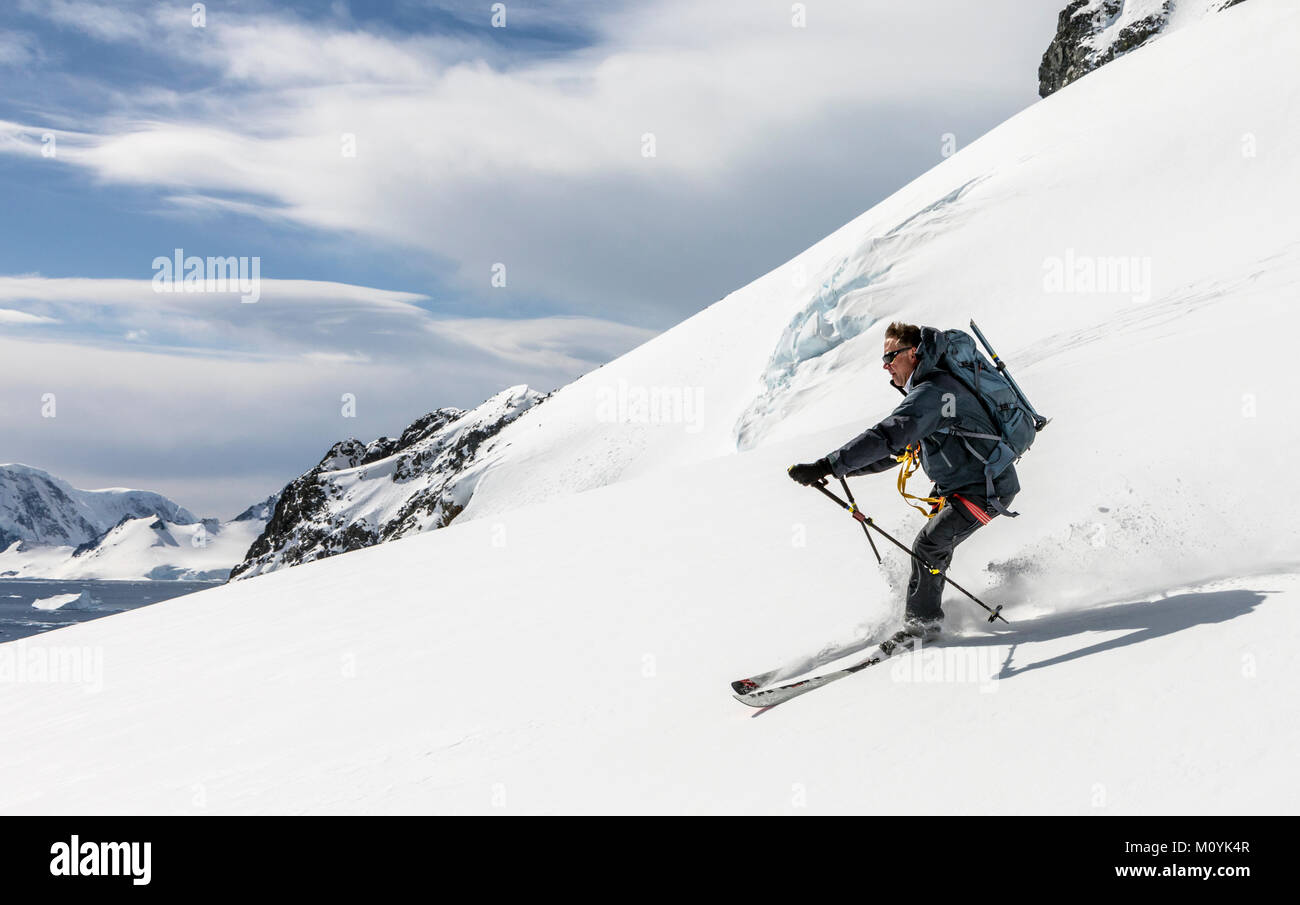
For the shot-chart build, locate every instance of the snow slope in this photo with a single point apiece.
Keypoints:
(570, 652)
(486, 668)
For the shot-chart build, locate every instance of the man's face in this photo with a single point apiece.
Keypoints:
(904, 363)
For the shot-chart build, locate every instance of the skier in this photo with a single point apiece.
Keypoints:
(935, 402)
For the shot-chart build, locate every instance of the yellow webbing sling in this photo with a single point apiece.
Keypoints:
(911, 459)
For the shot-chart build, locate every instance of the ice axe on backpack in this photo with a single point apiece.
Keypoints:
(867, 522)
(1039, 421)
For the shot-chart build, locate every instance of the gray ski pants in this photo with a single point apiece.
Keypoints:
(935, 544)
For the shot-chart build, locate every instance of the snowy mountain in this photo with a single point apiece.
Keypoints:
(37, 508)
(49, 529)
(1091, 33)
(364, 494)
(636, 544)
(142, 548)
(260, 511)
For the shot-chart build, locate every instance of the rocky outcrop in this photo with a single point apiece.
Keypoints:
(361, 494)
(1091, 33)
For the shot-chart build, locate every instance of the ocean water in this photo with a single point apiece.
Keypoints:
(20, 619)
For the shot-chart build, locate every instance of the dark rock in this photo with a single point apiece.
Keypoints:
(1080, 47)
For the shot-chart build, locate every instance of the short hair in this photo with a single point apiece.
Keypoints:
(907, 334)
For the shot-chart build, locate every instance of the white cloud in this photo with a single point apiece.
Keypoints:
(551, 343)
(768, 137)
(16, 49)
(335, 358)
(217, 428)
(289, 316)
(19, 140)
(107, 22)
(35, 288)
(12, 317)
(314, 321)
(477, 158)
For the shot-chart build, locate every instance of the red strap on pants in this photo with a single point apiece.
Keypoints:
(980, 515)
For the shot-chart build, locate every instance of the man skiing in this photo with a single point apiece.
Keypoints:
(956, 438)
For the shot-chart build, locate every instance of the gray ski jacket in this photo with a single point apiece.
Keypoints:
(937, 401)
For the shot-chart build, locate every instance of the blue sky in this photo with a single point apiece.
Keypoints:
(476, 146)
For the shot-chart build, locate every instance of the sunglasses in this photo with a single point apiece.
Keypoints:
(888, 357)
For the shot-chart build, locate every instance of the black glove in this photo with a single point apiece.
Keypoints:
(810, 473)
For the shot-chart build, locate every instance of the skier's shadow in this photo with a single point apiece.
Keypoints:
(1143, 622)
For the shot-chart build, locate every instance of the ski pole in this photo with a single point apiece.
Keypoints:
(854, 505)
(866, 520)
